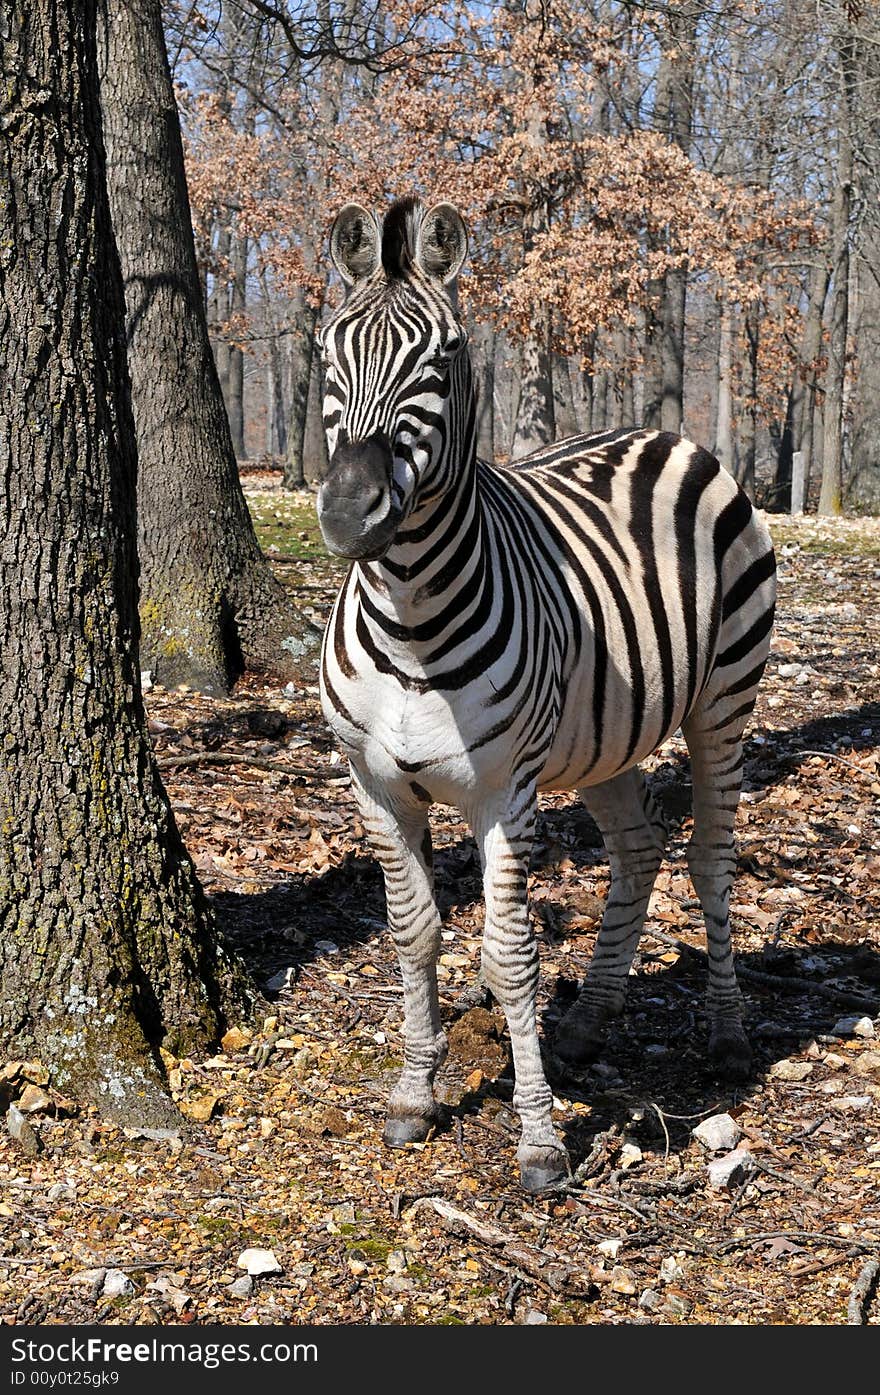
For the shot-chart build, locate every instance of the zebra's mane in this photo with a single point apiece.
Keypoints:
(399, 231)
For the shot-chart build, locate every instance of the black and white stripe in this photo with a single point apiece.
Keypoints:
(503, 631)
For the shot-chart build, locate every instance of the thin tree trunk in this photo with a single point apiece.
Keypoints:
(300, 351)
(235, 398)
(724, 407)
(210, 605)
(106, 945)
(219, 307)
(804, 388)
(831, 492)
(483, 354)
(679, 121)
(744, 471)
(315, 459)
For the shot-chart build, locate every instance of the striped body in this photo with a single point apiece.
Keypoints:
(570, 644)
(545, 625)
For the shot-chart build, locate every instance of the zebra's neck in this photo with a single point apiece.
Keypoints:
(436, 565)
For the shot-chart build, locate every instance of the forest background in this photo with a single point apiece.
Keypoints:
(673, 209)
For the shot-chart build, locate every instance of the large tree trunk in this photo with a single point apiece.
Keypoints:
(210, 605)
(106, 950)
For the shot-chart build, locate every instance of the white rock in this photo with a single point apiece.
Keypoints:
(851, 1104)
(61, 1191)
(167, 1289)
(854, 1027)
(326, 947)
(729, 1172)
(279, 981)
(791, 1070)
(719, 1133)
(789, 670)
(609, 1248)
(670, 1270)
(95, 1277)
(146, 680)
(630, 1154)
(867, 1063)
(117, 1284)
(258, 1262)
(534, 1318)
(241, 1288)
(396, 1262)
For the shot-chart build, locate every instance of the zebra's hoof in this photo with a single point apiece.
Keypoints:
(414, 1129)
(730, 1054)
(542, 1168)
(577, 1043)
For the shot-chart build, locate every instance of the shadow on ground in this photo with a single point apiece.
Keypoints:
(655, 1058)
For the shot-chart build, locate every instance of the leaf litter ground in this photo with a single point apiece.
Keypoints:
(282, 1148)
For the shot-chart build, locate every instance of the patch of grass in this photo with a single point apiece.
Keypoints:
(287, 525)
(826, 537)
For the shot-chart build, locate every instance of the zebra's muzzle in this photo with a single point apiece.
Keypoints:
(356, 510)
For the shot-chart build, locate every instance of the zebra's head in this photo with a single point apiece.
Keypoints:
(393, 368)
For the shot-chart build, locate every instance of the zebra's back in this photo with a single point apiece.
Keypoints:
(658, 568)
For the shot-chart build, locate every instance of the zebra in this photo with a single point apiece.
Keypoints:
(502, 630)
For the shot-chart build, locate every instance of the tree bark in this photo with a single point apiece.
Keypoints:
(210, 605)
(106, 944)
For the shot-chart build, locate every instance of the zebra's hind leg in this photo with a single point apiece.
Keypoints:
(635, 838)
(401, 840)
(714, 737)
(510, 968)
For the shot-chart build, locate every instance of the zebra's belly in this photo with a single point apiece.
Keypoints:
(591, 746)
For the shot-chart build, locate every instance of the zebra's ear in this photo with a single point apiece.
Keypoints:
(442, 242)
(355, 243)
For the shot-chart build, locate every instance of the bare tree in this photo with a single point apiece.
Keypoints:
(210, 605)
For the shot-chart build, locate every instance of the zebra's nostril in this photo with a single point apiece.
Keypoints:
(374, 502)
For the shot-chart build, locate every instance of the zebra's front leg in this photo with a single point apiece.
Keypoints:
(510, 968)
(400, 838)
(635, 839)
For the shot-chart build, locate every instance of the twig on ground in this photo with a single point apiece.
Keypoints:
(258, 762)
(829, 755)
(862, 1294)
(659, 1112)
(786, 984)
